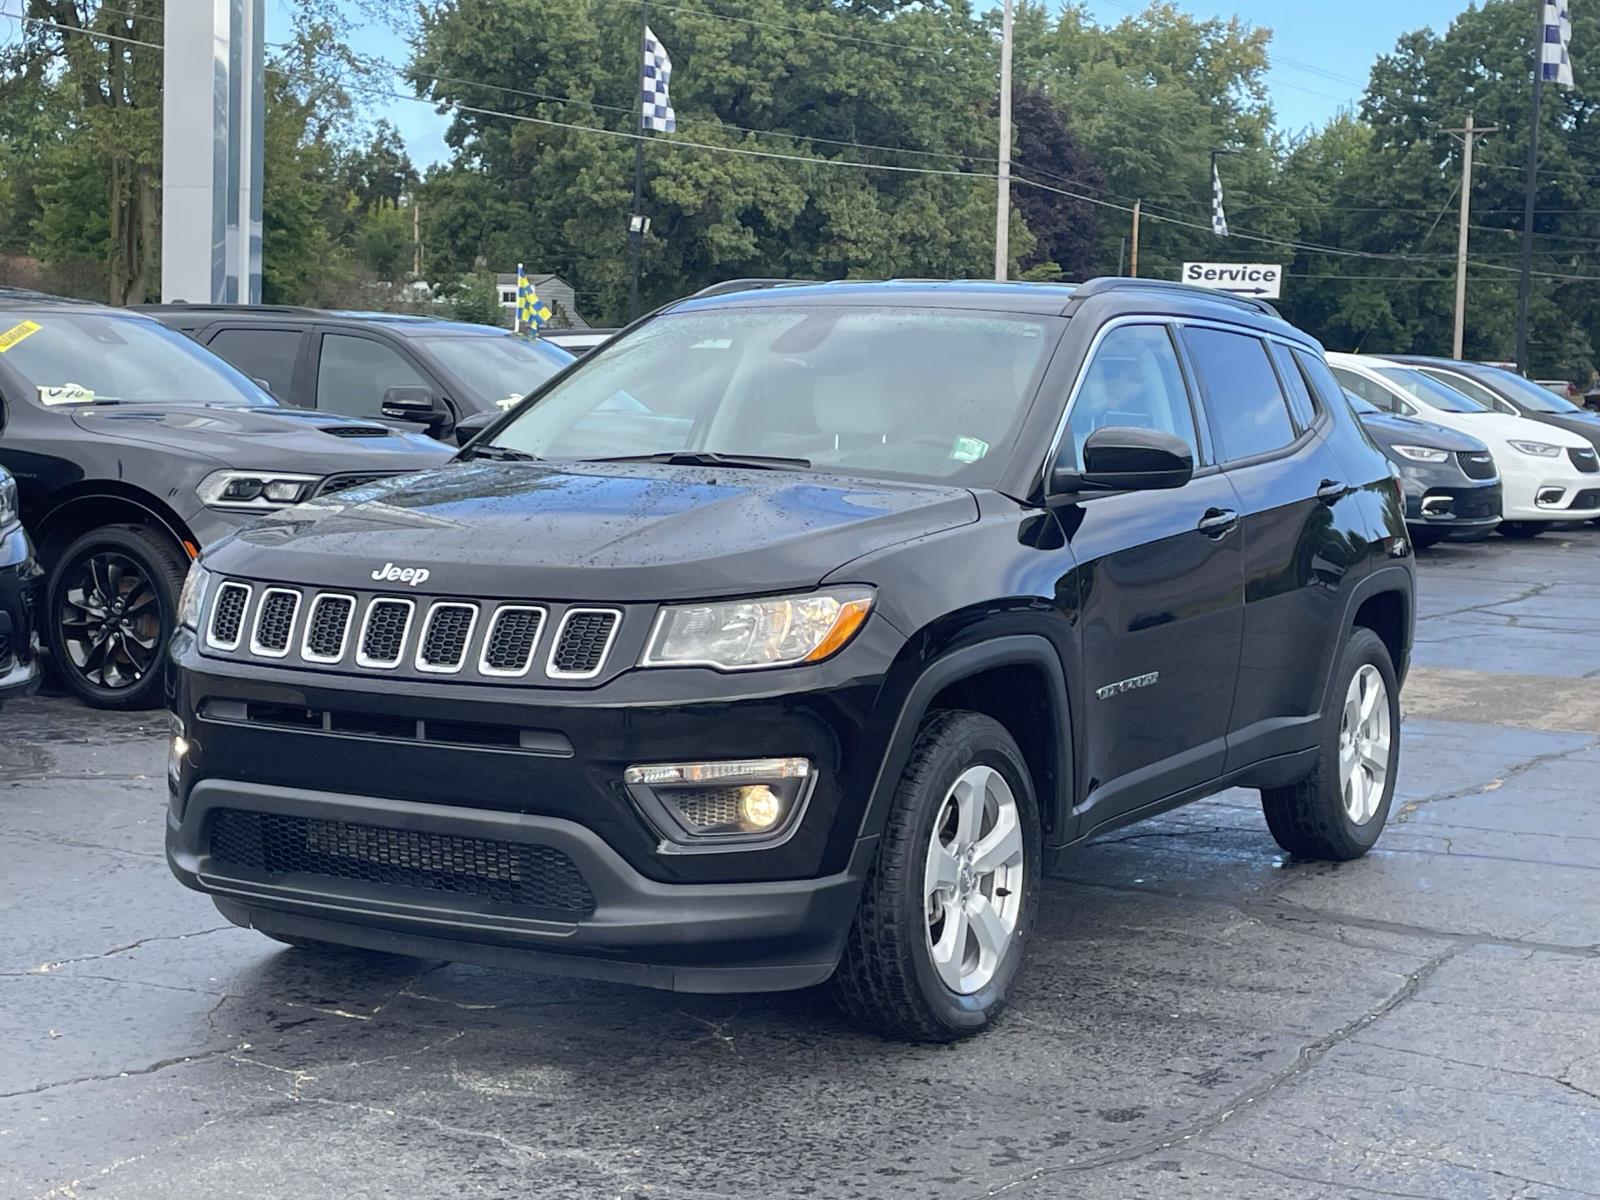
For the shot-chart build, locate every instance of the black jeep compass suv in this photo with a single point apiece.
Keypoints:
(795, 634)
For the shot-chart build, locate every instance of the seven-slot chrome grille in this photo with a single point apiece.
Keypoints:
(488, 640)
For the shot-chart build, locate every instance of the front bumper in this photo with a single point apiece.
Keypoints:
(1531, 485)
(1450, 504)
(696, 937)
(20, 580)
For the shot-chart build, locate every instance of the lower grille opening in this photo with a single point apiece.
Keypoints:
(397, 729)
(534, 877)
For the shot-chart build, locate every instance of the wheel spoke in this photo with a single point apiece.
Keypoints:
(950, 951)
(942, 872)
(1369, 693)
(141, 600)
(1375, 757)
(970, 794)
(1001, 846)
(989, 930)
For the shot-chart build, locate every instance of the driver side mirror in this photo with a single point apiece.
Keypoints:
(1125, 459)
(470, 427)
(413, 403)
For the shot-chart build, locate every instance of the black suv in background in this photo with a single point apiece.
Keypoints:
(795, 635)
(133, 449)
(445, 378)
(19, 580)
(1451, 483)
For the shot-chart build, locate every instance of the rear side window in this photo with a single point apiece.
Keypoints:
(266, 355)
(1249, 414)
(1134, 381)
(1301, 402)
(1326, 388)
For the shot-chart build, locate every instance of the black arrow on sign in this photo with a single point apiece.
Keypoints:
(1244, 291)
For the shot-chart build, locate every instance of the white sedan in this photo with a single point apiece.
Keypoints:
(1548, 474)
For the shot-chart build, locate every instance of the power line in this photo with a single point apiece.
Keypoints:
(838, 37)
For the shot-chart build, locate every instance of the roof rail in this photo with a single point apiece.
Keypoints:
(750, 285)
(1119, 283)
(207, 306)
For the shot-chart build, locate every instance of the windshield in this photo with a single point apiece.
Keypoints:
(64, 357)
(1526, 394)
(927, 394)
(498, 368)
(1430, 391)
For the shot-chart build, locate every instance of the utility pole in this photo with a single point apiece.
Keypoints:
(1002, 208)
(1530, 197)
(416, 238)
(1133, 260)
(637, 223)
(1469, 133)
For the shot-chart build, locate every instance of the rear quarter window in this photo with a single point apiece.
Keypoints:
(1246, 405)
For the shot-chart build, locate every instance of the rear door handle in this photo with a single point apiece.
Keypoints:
(1332, 490)
(1218, 522)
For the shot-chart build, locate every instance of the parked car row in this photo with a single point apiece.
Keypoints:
(1529, 461)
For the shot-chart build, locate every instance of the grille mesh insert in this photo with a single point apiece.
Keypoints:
(227, 616)
(584, 640)
(533, 877)
(511, 639)
(1475, 464)
(386, 631)
(330, 620)
(444, 643)
(1584, 459)
(275, 620)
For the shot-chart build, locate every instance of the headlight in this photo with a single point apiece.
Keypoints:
(193, 597)
(258, 490)
(8, 500)
(1422, 454)
(741, 635)
(1537, 449)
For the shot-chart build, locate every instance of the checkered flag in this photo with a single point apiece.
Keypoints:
(657, 112)
(1555, 60)
(1219, 219)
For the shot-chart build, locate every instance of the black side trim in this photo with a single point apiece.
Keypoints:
(1030, 650)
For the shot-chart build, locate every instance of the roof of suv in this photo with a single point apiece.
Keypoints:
(1055, 299)
(196, 315)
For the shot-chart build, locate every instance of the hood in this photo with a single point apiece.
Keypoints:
(1585, 425)
(594, 531)
(282, 438)
(1391, 429)
(1522, 429)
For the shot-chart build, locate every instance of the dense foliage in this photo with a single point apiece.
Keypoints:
(832, 138)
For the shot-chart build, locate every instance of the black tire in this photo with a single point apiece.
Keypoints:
(1521, 530)
(1308, 819)
(162, 563)
(886, 980)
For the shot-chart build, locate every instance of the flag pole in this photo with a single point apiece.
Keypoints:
(1530, 195)
(636, 221)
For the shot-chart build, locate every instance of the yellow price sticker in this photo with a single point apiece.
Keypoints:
(16, 333)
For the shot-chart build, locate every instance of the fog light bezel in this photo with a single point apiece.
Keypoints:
(1559, 494)
(649, 786)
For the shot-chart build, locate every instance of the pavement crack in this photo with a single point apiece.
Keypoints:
(1559, 1079)
(46, 968)
(1281, 1173)
(1308, 1056)
(1499, 781)
(149, 1069)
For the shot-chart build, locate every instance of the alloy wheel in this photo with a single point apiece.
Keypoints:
(973, 879)
(110, 619)
(1364, 734)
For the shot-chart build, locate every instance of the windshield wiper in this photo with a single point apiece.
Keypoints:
(503, 454)
(710, 458)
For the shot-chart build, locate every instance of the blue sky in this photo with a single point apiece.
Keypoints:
(1321, 49)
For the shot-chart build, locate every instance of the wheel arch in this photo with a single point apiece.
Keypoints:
(1017, 679)
(1384, 602)
(107, 502)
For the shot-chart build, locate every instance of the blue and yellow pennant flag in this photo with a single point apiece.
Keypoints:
(532, 312)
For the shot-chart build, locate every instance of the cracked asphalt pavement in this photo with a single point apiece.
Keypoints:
(1200, 1017)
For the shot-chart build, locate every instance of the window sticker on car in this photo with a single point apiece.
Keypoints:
(16, 333)
(969, 449)
(508, 403)
(67, 393)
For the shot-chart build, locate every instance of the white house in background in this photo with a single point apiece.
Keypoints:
(552, 288)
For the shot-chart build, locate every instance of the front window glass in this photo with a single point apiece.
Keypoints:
(498, 368)
(1430, 391)
(910, 393)
(355, 372)
(1134, 381)
(66, 357)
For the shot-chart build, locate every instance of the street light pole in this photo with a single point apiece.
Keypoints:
(1002, 209)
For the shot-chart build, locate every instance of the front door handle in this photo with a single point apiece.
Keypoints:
(1218, 522)
(1331, 490)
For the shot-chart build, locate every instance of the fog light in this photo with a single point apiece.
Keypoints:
(759, 807)
(177, 750)
(1550, 496)
(708, 802)
(1437, 506)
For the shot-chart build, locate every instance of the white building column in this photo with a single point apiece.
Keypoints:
(214, 106)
